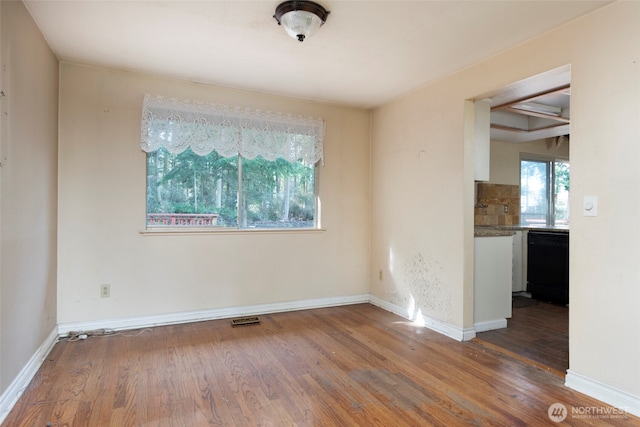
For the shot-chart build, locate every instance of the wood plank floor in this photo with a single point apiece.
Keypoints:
(539, 333)
(354, 365)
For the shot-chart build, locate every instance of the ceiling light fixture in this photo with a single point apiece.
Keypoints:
(300, 18)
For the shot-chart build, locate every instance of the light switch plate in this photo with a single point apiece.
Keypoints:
(590, 206)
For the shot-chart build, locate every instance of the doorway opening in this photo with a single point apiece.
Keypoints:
(529, 122)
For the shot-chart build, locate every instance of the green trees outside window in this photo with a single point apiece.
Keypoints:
(187, 189)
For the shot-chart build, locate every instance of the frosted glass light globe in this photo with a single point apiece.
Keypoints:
(301, 24)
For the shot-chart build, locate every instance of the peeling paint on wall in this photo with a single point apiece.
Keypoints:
(419, 287)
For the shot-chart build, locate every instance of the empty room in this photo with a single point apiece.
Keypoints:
(280, 213)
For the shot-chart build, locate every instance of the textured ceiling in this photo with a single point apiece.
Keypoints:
(367, 53)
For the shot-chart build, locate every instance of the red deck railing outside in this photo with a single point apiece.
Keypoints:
(190, 220)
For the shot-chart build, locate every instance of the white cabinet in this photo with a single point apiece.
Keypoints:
(482, 138)
(518, 277)
(492, 282)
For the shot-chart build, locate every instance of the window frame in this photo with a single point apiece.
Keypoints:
(203, 127)
(550, 184)
(177, 229)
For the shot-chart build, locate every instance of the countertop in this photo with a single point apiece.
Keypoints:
(510, 230)
(488, 231)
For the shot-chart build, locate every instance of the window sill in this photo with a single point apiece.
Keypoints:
(209, 231)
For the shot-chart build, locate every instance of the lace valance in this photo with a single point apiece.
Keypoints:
(177, 125)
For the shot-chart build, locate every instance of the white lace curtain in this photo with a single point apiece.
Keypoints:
(177, 125)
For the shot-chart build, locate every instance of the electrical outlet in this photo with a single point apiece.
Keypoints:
(105, 291)
(506, 208)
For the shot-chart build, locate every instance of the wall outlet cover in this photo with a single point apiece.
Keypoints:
(590, 206)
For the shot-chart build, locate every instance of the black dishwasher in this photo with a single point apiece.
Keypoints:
(548, 266)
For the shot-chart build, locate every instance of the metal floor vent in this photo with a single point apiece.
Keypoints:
(240, 321)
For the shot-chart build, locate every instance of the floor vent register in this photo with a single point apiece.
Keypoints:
(241, 321)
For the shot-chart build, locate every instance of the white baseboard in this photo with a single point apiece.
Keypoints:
(607, 394)
(212, 314)
(395, 309)
(447, 329)
(490, 325)
(24, 377)
(468, 334)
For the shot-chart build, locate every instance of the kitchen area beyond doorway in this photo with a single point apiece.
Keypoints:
(533, 321)
(521, 220)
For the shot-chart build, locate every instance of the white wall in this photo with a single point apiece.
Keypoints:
(28, 195)
(604, 323)
(102, 211)
(423, 206)
(417, 181)
(505, 158)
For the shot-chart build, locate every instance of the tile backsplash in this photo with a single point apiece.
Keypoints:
(497, 204)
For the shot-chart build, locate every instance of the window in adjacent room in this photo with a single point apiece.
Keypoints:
(218, 167)
(544, 192)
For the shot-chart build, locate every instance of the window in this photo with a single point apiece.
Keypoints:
(212, 166)
(544, 192)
